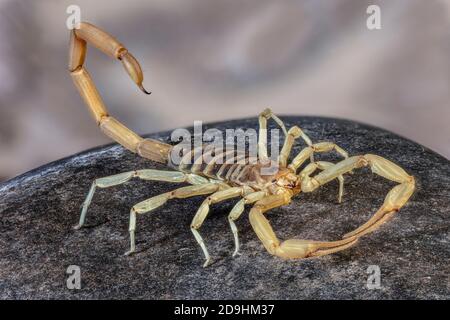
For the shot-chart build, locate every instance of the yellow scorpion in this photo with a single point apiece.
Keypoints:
(224, 180)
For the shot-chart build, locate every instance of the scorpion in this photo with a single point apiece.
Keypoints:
(225, 181)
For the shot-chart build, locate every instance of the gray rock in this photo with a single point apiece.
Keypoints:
(39, 209)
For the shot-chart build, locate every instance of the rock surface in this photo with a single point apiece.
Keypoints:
(39, 209)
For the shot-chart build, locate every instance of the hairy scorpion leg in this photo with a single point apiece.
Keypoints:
(157, 201)
(146, 174)
(292, 248)
(203, 211)
(236, 212)
(394, 200)
(320, 147)
(322, 165)
(262, 136)
(294, 133)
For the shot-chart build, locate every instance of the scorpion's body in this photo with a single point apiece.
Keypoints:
(238, 170)
(230, 174)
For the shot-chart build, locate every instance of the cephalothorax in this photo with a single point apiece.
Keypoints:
(221, 181)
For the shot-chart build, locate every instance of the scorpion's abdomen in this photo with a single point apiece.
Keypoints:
(231, 166)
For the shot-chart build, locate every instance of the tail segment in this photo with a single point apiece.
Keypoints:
(88, 33)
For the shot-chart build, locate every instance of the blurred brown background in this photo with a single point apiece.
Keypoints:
(215, 60)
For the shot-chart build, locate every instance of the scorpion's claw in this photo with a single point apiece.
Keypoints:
(295, 248)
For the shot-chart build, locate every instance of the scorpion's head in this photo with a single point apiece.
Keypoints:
(287, 179)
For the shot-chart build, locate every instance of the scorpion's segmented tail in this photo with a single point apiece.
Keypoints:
(88, 33)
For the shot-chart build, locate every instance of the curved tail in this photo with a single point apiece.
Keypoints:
(88, 33)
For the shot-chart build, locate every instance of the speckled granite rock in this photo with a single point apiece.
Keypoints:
(39, 208)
